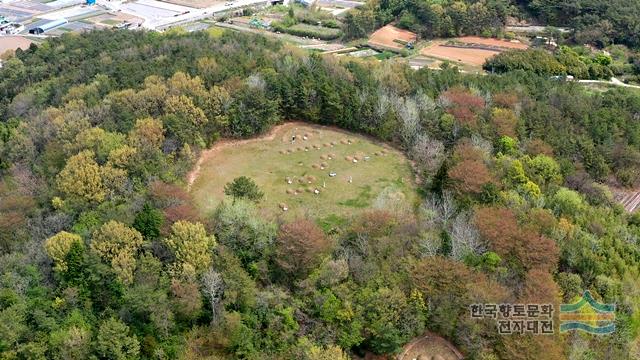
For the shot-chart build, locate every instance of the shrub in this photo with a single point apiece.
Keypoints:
(320, 32)
(538, 61)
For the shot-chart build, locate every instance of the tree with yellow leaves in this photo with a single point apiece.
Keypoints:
(118, 244)
(58, 247)
(82, 178)
(147, 135)
(191, 246)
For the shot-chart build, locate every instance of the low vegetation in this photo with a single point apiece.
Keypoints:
(306, 30)
(331, 173)
(308, 22)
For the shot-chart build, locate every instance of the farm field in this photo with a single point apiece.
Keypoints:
(13, 42)
(391, 37)
(112, 19)
(290, 173)
(469, 50)
(319, 31)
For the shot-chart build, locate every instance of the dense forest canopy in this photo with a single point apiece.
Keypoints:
(104, 255)
(595, 21)
(431, 18)
(598, 22)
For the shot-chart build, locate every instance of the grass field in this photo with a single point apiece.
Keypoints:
(384, 180)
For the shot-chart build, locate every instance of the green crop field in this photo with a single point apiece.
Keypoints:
(297, 174)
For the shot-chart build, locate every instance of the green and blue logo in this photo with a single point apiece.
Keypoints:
(588, 315)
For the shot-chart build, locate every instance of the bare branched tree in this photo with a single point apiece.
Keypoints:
(448, 206)
(429, 244)
(425, 104)
(428, 154)
(213, 288)
(438, 211)
(465, 238)
(409, 115)
(484, 145)
(257, 82)
(383, 105)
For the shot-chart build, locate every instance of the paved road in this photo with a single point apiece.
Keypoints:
(533, 29)
(613, 81)
(341, 3)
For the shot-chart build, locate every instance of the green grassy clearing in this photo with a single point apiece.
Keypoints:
(111, 22)
(384, 180)
(384, 55)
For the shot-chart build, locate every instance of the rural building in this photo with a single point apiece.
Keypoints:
(50, 25)
(11, 28)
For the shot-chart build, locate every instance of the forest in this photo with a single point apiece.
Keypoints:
(597, 22)
(103, 254)
(594, 21)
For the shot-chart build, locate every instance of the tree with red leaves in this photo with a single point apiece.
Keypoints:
(505, 100)
(463, 105)
(174, 202)
(300, 245)
(539, 288)
(469, 176)
(469, 172)
(499, 227)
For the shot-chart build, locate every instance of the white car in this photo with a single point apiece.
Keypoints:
(332, 174)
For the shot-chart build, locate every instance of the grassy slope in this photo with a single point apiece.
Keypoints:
(262, 160)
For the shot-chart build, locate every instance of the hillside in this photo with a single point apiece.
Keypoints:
(106, 251)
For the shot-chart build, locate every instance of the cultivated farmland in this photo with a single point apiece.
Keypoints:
(469, 50)
(390, 37)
